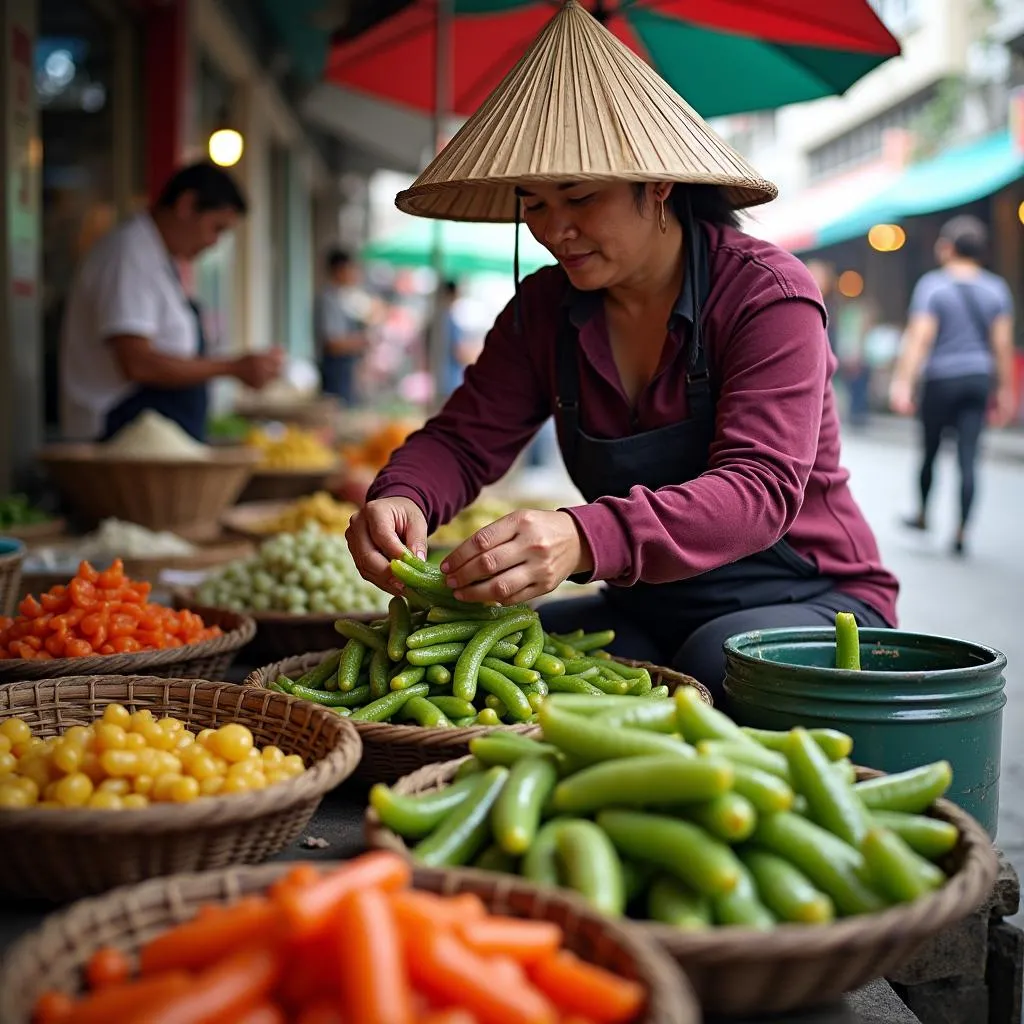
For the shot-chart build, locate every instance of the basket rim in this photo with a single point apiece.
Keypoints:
(667, 988)
(234, 639)
(93, 454)
(218, 811)
(184, 597)
(967, 887)
(259, 677)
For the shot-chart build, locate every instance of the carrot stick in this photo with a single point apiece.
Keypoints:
(52, 1006)
(515, 937)
(263, 1013)
(323, 1011)
(219, 993)
(372, 967)
(204, 940)
(309, 909)
(119, 1002)
(578, 987)
(449, 971)
(304, 979)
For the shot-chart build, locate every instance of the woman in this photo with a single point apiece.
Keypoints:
(687, 367)
(959, 343)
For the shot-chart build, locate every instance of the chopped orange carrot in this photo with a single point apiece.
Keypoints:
(579, 987)
(511, 936)
(374, 978)
(201, 941)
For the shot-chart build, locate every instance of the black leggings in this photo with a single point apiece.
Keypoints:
(700, 654)
(958, 404)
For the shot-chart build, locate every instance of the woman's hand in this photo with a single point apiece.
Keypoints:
(380, 531)
(901, 397)
(519, 557)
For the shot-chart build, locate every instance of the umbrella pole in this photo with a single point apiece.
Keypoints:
(437, 349)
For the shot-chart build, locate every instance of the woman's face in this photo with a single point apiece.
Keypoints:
(596, 231)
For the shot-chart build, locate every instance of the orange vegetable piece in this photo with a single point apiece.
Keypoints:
(220, 993)
(52, 1007)
(123, 1002)
(30, 608)
(582, 988)
(199, 942)
(264, 1013)
(444, 967)
(310, 909)
(514, 937)
(372, 962)
(451, 1016)
(107, 966)
(78, 649)
(323, 1011)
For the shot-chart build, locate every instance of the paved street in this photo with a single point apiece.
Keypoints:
(978, 598)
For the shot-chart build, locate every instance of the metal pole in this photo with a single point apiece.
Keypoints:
(437, 350)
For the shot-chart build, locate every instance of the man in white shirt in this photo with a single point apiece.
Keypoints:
(132, 339)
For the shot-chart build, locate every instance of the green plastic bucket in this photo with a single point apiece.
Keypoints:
(917, 698)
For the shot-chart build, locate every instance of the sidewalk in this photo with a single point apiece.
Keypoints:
(1005, 445)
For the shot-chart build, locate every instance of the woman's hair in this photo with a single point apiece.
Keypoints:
(708, 203)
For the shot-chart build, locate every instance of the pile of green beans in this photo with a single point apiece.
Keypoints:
(669, 811)
(439, 662)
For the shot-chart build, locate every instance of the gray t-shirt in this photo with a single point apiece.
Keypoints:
(340, 311)
(961, 347)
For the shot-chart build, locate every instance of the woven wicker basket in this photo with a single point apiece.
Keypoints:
(53, 956)
(12, 554)
(737, 971)
(63, 854)
(209, 659)
(288, 484)
(392, 751)
(186, 497)
(280, 635)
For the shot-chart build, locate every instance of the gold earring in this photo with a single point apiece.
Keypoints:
(662, 219)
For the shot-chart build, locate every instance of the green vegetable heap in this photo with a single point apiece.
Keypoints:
(17, 510)
(439, 662)
(671, 812)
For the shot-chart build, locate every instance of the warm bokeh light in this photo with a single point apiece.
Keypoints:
(887, 237)
(850, 284)
(1020, 212)
(226, 147)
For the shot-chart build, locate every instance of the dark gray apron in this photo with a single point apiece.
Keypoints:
(674, 454)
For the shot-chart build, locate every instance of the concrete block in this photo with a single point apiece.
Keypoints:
(950, 1001)
(959, 951)
(1006, 892)
(1005, 974)
(877, 1003)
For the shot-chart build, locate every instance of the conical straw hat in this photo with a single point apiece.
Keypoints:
(578, 106)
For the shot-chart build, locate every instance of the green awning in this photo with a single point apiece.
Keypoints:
(958, 176)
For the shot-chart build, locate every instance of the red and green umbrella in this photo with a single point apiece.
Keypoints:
(723, 56)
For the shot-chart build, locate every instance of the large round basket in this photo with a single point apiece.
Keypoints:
(209, 659)
(12, 554)
(391, 751)
(63, 854)
(186, 496)
(288, 484)
(53, 956)
(738, 971)
(280, 635)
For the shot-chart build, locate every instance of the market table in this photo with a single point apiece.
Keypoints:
(336, 831)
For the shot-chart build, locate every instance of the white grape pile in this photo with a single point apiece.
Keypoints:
(300, 573)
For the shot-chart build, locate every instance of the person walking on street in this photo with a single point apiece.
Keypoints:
(959, 346)
(132, 338)
(344, 313)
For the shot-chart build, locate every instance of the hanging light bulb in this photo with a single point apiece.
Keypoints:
(226, 146)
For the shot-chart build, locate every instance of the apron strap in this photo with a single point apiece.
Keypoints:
(567, 381)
